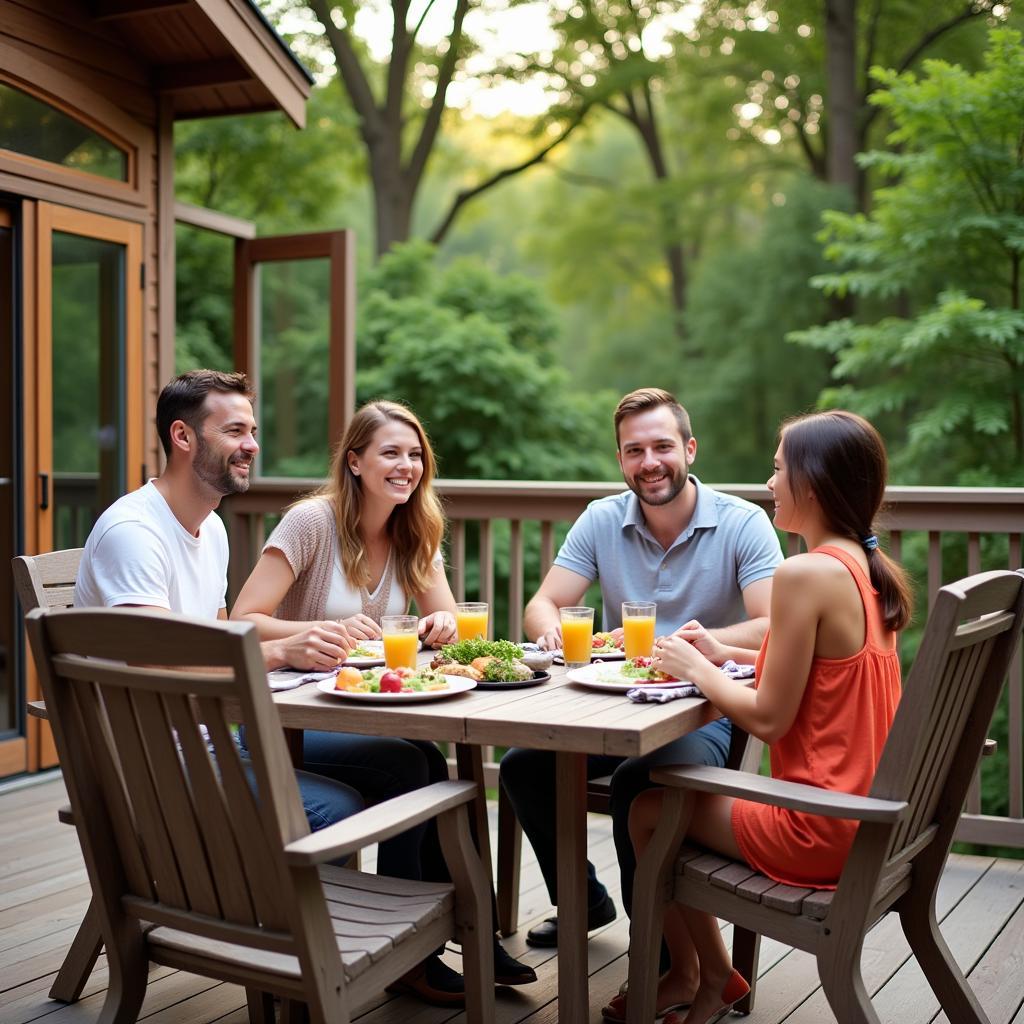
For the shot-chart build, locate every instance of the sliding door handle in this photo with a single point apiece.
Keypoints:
(44, 491)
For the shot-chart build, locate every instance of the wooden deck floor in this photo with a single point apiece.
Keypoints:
(44, 892)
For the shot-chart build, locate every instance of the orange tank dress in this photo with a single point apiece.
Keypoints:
(835, 742)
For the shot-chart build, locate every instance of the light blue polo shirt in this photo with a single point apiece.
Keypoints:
(728, 544)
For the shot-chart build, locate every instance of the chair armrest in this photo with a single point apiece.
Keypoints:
(378, 823)
(797, 797)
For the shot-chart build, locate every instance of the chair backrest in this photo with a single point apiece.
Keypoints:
(46, 581)
(170, 833)
(940, 726)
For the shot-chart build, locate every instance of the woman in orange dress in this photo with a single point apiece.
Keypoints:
(828, 682)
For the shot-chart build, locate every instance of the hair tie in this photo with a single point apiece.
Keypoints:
(869, 543)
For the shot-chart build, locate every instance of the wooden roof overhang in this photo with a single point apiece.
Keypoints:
(211, 57)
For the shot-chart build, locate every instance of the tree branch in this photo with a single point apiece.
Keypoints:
(432, 122)
(351, 71)
(466, 195)
(872, 40)
(971, 10)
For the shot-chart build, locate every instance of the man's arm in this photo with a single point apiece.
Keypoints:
(757, 602)
(561, 588)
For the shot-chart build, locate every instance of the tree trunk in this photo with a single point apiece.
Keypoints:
(843, 102)
(392, 202)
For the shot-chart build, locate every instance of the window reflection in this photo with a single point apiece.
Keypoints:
(34, 128)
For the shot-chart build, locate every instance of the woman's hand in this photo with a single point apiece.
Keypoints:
(679, 658)
(712, 649)
(320, 647)
(361, 627)
(437, 628)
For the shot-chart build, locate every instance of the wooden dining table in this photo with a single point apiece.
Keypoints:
(556, 715)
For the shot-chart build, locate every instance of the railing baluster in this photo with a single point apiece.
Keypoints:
(895, 545)
(487, 566)
(515, 581)
(934, 565)
(973, 553)
(1015, 738)
(547, 547)
(457, 532)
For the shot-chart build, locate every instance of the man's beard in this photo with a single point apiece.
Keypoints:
(217, 473)
(676, 483)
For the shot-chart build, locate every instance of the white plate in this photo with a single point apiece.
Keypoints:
(456, 684)
(615, 655)
(370, 661)
(610, 677)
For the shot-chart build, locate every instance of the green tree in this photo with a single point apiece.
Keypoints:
(469, 351)
(944, 243)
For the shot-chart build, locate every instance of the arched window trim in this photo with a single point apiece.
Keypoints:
(55, 88)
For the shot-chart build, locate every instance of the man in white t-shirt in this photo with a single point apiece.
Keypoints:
(163, 546)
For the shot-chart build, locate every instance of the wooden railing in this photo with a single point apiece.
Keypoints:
(922, 521)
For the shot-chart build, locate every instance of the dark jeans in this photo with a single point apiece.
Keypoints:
(529, 780)
(378, 768)
(324, 800)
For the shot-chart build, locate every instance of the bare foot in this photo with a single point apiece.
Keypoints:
(713, 1000)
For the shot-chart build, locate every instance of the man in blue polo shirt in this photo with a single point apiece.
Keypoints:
(701, 555)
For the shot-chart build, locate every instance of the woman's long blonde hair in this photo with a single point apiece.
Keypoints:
(415, 529)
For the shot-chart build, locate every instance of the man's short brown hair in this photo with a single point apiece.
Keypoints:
(644, 399)
(183, 398)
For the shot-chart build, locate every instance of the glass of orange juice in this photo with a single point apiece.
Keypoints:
(401, 640)
(638, 628)
(471, 620)
(577, 635)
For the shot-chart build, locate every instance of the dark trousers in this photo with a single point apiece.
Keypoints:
(372, 769)
(529, 780)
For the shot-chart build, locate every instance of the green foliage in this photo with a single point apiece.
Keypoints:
(944, 243)
(744, 300)
(468, 351)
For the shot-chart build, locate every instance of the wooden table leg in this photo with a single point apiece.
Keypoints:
(469, 761)
(571, 841)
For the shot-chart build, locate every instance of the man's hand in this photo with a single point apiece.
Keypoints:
(437, 629)
(318, 648)
(551, 640)
(361, 627)
(712, 649)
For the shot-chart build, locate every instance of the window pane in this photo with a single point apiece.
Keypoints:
(34, 128)
(294, 316)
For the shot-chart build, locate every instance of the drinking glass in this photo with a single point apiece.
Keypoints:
(401, 640)
(471, 620)
(638, 628)
(577, 635)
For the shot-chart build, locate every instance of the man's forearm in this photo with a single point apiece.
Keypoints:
(540, 617)
(273, 654)
(747, 634)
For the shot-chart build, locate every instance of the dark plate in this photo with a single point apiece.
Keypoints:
(516, 684)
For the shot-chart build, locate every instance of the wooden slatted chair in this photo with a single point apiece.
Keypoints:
(48, 581)
(744, 754)
(195, 867)
(906, 828)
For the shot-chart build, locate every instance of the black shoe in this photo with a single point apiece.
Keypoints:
(434, 982)
(508, 970)
(545, 934)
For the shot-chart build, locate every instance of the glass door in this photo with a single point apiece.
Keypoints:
(13, 747)
(85, 379)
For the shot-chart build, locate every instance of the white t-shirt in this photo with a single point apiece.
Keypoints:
(138, 553)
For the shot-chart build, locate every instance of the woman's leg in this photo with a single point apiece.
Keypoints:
(379, 767)
(700, 964)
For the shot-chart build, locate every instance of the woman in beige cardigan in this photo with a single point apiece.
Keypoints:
(359, 548)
